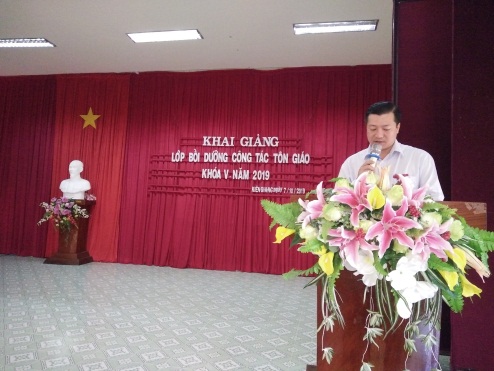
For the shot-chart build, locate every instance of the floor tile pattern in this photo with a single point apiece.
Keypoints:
(102, 316)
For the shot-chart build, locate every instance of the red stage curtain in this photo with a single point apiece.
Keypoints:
(27, 111)
(100, 148)
(170, 216)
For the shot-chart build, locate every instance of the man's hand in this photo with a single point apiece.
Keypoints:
(368, 165)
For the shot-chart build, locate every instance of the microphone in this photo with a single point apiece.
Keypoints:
(374, 152)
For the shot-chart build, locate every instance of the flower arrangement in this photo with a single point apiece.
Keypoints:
(409, 251)
(90, 197)
(62, 212)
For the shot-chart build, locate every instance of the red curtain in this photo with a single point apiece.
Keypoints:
(99, 147)
(172, 216)
(152, 209)
(27, 110)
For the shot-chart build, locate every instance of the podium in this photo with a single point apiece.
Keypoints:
(390, 356)
(72, 248)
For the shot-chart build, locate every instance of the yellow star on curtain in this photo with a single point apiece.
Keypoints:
(90, 119)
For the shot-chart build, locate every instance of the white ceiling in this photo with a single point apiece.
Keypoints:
(90, 35)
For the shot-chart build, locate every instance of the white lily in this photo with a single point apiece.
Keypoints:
(364, 265)
(474, 262)
(404, 281)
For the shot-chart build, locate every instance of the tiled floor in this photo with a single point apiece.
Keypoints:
(126, 317)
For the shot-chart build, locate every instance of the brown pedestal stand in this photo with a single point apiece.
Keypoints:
(72, 244)
(348, 343)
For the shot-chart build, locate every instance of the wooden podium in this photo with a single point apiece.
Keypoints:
(72, 244)
(348, 343)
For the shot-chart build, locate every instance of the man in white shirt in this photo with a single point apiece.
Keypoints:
(383, 124)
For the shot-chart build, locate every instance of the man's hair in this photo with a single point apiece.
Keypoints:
(381, 108)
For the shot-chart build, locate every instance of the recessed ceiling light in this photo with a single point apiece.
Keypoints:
(147, 37)
(325, 27)
(26, 43)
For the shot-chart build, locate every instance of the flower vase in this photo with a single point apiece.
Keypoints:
(349, 346)
(72, 242)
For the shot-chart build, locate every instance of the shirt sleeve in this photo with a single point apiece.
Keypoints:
(351, 165)
(346, 170)
(429, 178)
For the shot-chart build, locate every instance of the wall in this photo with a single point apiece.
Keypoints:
(442, 81)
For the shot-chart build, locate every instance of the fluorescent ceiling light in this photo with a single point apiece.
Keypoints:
(26, 43)
(325, 27)
(147, 37)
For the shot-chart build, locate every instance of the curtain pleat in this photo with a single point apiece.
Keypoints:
(151, 209)
(27, 113)
(100, 148)
(171, 216)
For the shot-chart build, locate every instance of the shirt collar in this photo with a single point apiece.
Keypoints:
(397, 147)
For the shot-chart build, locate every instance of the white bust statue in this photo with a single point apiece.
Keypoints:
(75, 187)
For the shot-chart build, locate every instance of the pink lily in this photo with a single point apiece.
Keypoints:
(313, 209)
(349, 242)
(415, 198)
(393, 224)
(356, 198)
(431, 242)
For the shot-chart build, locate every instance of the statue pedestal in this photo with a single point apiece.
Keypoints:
(72, 244)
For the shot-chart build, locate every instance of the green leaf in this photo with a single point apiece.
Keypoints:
(312, 245)
(479, 240)
(366, 367)
(282, 214)
(372, 333)
(410, 346)
(378, 264)
(318, 278)
(445, 211)
(296, 239)
(437, 264)
(315, 269)
(327, 354)
(454, 299)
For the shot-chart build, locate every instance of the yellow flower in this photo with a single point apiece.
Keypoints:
(376, 198)
(326, 262)
(282, 233)
(458, 257)
(321, 252)
(469, 289)
(451, 278)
